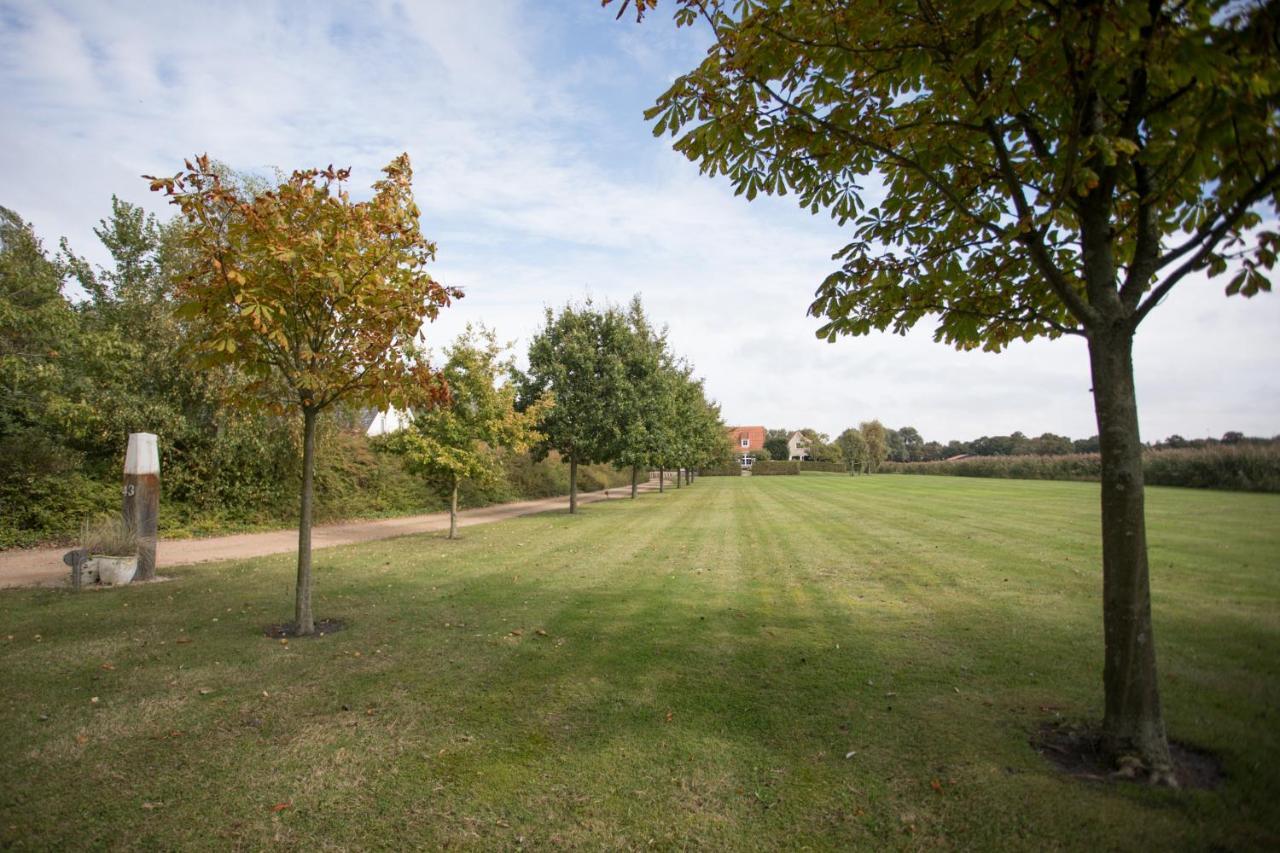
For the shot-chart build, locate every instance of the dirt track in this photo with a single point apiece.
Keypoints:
(44, 566)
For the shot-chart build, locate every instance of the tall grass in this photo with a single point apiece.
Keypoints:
(1240, 468)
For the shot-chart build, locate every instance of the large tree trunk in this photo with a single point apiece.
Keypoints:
(304, 622)
(662, 479)
(1133, 722)
(635, 480)
(688, 476)
(573, 485)
(453, 511)
(679, 477)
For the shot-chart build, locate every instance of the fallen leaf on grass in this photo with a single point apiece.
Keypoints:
(108, 666)
(669, 716)
(936, 785)
(152, 806)
(518, 632)
(540, 632)
(279, 807)
(205, 691)
(182, 640)
(82, 739)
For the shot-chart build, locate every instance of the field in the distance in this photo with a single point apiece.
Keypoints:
(747, 663)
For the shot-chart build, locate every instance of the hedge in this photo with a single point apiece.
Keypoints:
(769, 468)
(830, 467)
(734, 470)
(353, 480)
(1243, 468)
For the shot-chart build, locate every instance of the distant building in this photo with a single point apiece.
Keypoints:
(387, 422)
(745, 439)
(798, 446)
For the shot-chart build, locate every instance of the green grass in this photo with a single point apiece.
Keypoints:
(711, 655)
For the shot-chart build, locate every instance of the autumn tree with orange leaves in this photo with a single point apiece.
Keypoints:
(307, 291)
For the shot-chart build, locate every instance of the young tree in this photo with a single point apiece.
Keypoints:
(308, 291)
(691, 423)
(641, 408)
(775, 442)
(912, 444)
(578, 360)
(875, 438)
(460, 440)
(1051, 168)
(854, 448)
(39, 403)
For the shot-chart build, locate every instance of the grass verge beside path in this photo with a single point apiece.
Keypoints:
(747, 663)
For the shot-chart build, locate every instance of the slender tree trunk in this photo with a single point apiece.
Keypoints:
(635, 480)
(573, 485)
(662, 479)
(453, 511)
(688, 477)
(1133, 723)
(304, 622)
(679, 476)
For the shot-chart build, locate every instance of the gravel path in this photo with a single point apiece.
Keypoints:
(44, 566)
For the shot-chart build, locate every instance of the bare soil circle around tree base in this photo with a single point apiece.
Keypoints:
(289, 630)
(1076, 750)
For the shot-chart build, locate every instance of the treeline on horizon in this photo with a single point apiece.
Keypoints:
(1233, 462)
(80, 374)
(907, 445)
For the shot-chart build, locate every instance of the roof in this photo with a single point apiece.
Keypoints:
(753, 434)
(793, 436)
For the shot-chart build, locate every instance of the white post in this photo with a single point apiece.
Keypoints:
(142, 498)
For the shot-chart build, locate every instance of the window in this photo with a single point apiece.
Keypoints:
(746, 442)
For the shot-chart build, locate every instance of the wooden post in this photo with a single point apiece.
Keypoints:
(453, 511)
(573, 485)
(141, 505)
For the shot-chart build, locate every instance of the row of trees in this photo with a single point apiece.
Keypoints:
(233, 328)
(322, 301)
(602, 387)
(620, 395)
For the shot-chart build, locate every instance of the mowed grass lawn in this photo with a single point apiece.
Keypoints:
(758, 663)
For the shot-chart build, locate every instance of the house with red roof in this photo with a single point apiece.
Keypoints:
(744, 440)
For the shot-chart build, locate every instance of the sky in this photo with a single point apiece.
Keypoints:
(541, 182)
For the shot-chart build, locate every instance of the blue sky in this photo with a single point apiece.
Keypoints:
(541, 182)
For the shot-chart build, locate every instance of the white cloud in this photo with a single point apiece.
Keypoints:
(539, 179)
